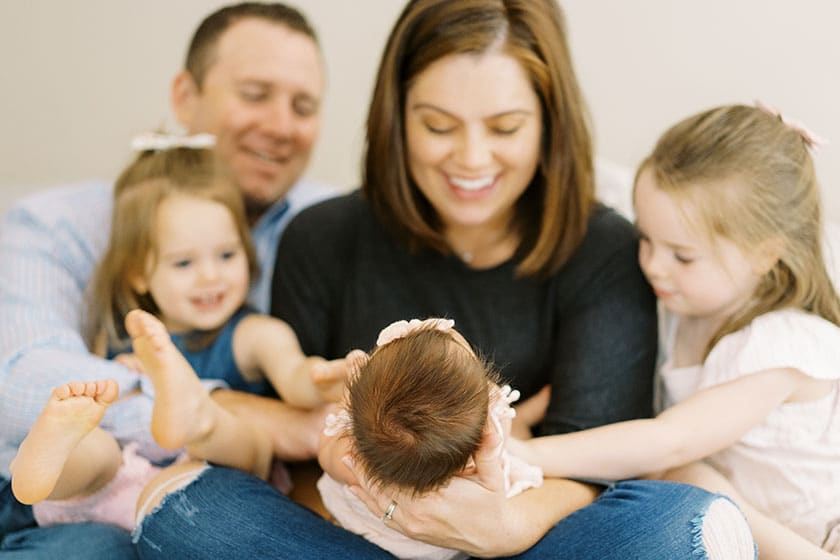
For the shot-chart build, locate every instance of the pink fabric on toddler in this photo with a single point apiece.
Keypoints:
(114, 504)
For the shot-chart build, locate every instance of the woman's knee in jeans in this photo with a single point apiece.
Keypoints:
(722, 533)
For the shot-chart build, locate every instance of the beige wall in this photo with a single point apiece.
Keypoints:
(80, 78)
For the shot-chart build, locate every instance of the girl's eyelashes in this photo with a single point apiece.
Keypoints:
(182, 263)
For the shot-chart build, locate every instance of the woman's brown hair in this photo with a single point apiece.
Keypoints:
(553, 213)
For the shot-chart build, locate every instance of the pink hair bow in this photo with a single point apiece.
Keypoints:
(813, 140)
(399, 329)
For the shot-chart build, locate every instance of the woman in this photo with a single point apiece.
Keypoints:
(477, 204)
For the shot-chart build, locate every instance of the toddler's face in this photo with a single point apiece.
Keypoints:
(691, 274)
(200, 276)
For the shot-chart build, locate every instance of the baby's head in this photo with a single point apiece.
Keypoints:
(161, 200)
(419, 406)
(741, 176)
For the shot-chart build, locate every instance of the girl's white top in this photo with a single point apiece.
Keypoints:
(789, 465)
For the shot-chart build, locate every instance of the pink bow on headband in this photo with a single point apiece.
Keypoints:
(399, 329)
(813, 140)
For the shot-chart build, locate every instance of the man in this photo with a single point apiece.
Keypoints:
(254, 78)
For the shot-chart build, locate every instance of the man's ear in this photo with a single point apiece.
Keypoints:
(767, 254)
(184, 97)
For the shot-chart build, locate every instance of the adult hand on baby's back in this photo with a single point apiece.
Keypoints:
(470, 513)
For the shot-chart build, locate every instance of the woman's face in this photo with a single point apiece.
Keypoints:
(473, 129)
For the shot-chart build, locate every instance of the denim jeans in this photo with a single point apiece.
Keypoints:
(22, 539)
(228, 514)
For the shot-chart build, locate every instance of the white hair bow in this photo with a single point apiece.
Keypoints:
(156, 141)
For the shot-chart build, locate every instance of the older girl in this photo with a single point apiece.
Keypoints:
(729, 217)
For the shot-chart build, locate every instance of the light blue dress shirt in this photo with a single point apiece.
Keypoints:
(50, 243)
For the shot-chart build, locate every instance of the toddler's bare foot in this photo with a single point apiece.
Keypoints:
(178, 417)
(71, 413)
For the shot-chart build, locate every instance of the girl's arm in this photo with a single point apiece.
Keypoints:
(472, 514)
(267, 346)
(705, 423)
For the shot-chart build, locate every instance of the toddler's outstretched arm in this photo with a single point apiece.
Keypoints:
(710, 420)
(267, 346)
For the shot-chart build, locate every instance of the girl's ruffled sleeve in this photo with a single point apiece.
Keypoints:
(777, 340)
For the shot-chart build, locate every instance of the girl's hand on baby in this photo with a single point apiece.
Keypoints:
(530, 412)
(130, 361)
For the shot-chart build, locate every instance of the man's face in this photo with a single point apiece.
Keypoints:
(261, 98)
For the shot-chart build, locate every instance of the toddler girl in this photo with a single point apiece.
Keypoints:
(179, 249)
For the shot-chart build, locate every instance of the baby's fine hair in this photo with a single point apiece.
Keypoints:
(143, 185)
(741, 173)
(419, 407)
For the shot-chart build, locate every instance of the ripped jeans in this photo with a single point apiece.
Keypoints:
(228, 514)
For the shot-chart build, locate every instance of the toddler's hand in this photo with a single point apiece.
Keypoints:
(330, 377)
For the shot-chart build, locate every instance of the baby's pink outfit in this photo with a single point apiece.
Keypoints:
(114, 504)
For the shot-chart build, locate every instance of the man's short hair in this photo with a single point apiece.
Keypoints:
(202, 47)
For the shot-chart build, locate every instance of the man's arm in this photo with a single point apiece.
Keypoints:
(49, 246)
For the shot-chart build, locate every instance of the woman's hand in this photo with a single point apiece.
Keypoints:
(470, 513)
